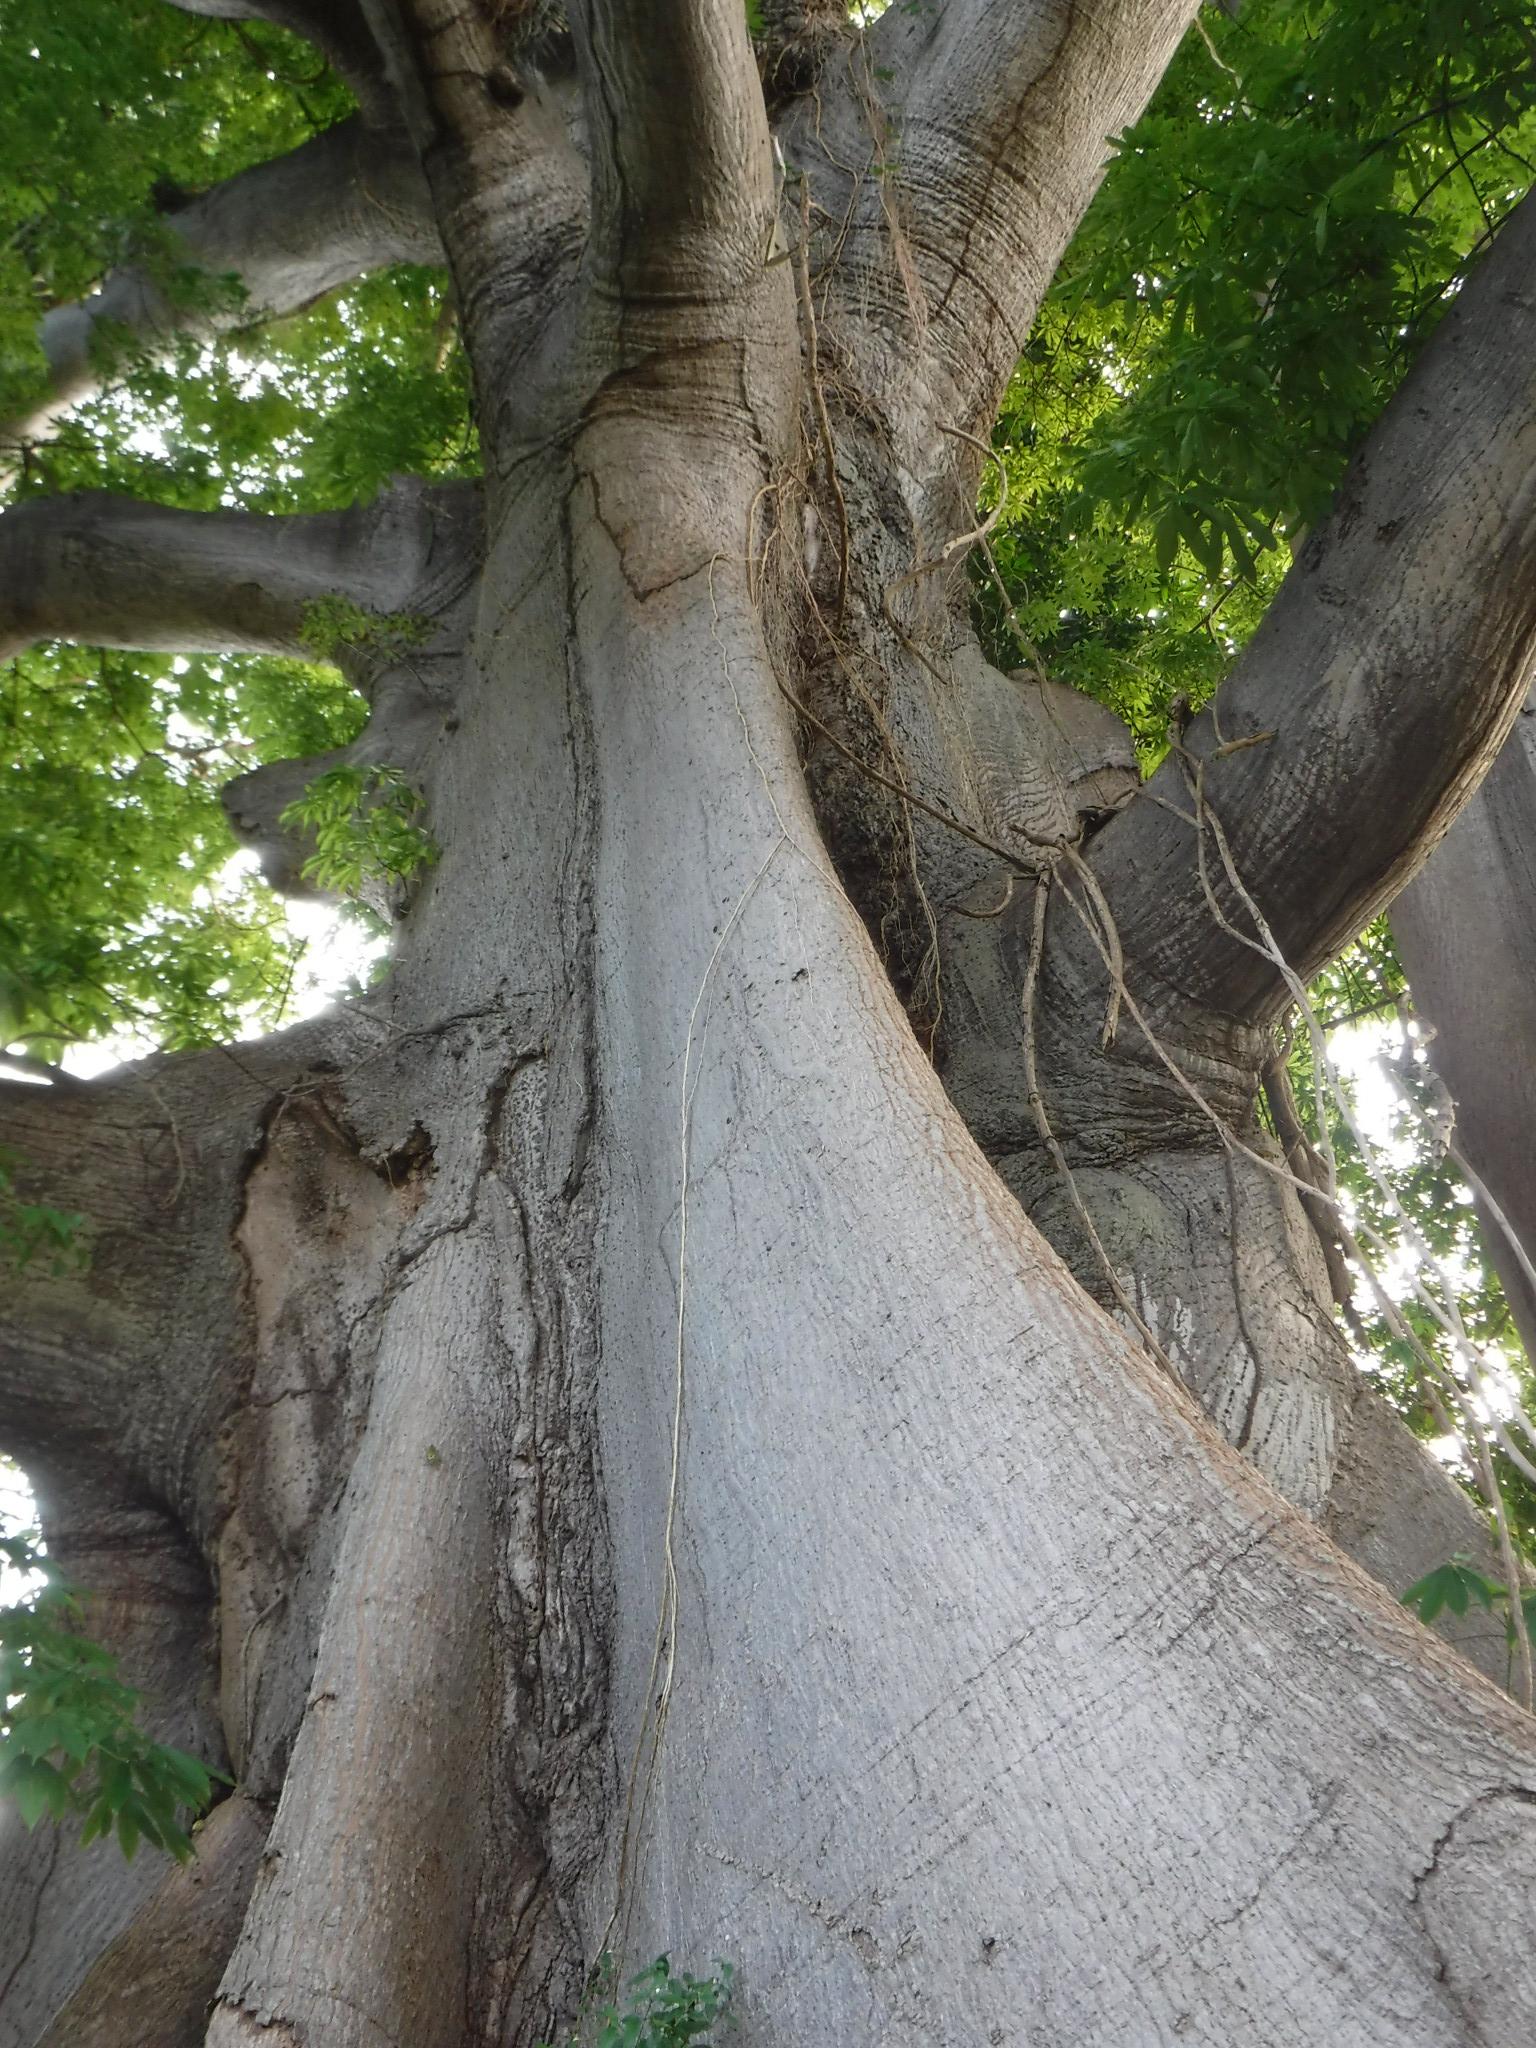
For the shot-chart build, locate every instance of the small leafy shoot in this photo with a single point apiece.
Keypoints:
(333, 621)
(36, 1230)
(1453, 1586)
(70, 1742)
(659, 2010)
(366, 827)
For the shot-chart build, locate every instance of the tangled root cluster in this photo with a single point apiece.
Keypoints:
(793, 41)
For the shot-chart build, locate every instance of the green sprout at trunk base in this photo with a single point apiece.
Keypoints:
(659, 2010)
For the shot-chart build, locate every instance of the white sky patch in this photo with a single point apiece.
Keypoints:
(1356, 1051)
(1361, 1053)
(17, 1511)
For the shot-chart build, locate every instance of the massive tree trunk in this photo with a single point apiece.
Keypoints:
(616, 1467)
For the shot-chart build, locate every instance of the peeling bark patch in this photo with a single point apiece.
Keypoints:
(320, 1223)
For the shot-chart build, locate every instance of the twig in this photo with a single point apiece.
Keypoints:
(1048, 1136)
(819, 398)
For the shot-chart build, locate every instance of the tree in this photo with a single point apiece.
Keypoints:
(591, 1431)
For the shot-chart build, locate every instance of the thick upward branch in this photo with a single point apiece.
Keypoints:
(1387, 673)
(496, 139)
(266, 242)
(1000, 114)
(682, 172)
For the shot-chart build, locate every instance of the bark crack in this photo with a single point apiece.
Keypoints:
(1522, 1794)
(37, 1911)
(1480, 1953)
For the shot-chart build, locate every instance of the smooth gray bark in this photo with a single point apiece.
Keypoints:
(1373, 667)
(116, 572)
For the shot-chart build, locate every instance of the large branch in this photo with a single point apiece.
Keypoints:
(1001, 113)
(121, 1369)
(114, 572)
(284, 232)
(682, 169)
(159, 1976)
(1385, 676)
(498, 142)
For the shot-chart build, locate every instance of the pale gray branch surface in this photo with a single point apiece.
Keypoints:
(267, 242)
(117, 572)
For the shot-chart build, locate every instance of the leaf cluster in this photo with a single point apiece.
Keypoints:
(334, 621)
(366, 826)
(116, 111)
(70, 1743)
(120, 907)
(659, 2009)
(120, 903)
(1272, 243)
(1457, 1585)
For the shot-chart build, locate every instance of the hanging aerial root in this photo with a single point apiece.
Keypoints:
(819, 398)
(1439, 1381)
(1048, 1136)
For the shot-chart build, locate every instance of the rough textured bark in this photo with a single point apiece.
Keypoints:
(644, 1480)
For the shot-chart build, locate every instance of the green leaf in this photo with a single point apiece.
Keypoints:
(1432, 1592)
(1452, 1586)
(37, 1789)
(1166, 540)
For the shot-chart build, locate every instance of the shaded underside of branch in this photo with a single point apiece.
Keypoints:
(115, 572)
(335, 27)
